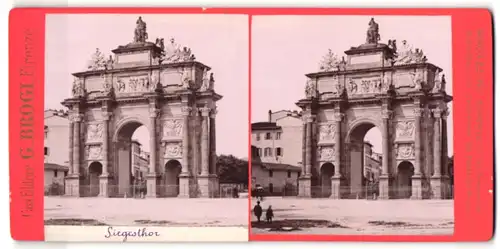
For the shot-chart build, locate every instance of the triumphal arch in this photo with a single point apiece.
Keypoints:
(161, 86)
(388, 86)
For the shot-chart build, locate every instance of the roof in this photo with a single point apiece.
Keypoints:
(265, 126)
(53, 166)
(277, 166)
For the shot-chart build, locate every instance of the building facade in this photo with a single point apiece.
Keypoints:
(275, 178)
(140, 160)
(279, 139)
(393, 88)
(154, 84)
(56, 152)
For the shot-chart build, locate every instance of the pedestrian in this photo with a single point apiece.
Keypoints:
(257, 211)
(269, 214)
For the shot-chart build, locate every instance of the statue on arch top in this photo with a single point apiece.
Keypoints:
(140, 34)
(372, 35)
(97, 62)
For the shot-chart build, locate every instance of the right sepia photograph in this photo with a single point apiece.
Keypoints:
(352, 125)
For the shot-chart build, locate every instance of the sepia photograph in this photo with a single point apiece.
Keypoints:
(352, 125)
(143, 126)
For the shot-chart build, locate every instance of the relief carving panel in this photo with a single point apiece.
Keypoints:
(172, 128)
(173, 150)
(326, 153)
(405, 129)
(364, 85)
(94, 152)
(405, 151)
(95, 132)
(326, 132)
(134, 84)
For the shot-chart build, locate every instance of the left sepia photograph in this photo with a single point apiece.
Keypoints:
(145, 135)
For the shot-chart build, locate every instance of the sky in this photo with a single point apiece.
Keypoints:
(285, 48)
(218, 41)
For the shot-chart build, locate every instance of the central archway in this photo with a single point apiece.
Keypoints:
(171, 177)
(364, 160)
(132, 159)
(327, 170)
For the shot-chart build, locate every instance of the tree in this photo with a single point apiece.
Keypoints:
(232, 169)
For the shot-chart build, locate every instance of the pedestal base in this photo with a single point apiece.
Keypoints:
(335, 187)
(416, 187)
(184, 180)
(383, 187)
(204, 186)
(151, 185)
(103, 186)
(214, 186)
(437, 187)
(305, 186)
(72, 186)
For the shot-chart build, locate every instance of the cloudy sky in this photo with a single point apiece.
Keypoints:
(219, 41)
(285, 48)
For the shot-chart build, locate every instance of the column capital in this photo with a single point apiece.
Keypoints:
(446, 112)
(339, 116)
(437, 112)
(153, 112)
(205, 111)
(418, 112)
(78, 117)
(106, 115)
(186, 110)
(387, 114)
(310, 118)
(213, 112)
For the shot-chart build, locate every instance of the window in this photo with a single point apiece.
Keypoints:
(65, 173)
(278, 135)
(289, 174)
(45, 131)
(270, 187)
(257, 136)
(279, 151)
(268, 152)
(268, 136)
(259, 152)
(298, 174)
(55, 173)
(46, 151)
(270, 173)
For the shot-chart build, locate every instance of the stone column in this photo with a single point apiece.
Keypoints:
(338, 151)
(305, 179)
(304, 135)
(417, 176)
(71, 182)
(214, 179)
(185, 175)
(71, 141)
(384, 177)
(309, 150)
(437, 177)
(203, 179)
(75, 181)
(152, 176)
(104, 178)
